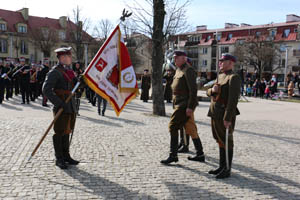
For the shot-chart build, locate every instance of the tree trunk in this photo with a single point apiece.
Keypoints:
(158, 58)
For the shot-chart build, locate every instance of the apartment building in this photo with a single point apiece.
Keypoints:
(203, 45)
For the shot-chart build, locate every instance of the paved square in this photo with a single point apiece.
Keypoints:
(120, 157)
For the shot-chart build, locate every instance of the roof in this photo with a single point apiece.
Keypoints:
(268, 26)
(14, 17)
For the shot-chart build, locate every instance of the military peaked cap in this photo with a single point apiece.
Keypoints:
(227, 56)
(179, 53)
(63, 51)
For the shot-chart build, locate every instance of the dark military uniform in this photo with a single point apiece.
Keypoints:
(42, 78)
(168, 89)
(145, 86)
(184, 89)
(78, 94)
(6, 81)
(224, 109)
(57, 87)
(24, 83)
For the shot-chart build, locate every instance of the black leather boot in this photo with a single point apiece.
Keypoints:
(57, 143)
(199, 155)
(222, 162)
(66, 155)
(174, 147)
(225, 173)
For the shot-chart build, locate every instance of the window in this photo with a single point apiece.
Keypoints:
(45, 32)
(299, 62)
(204, 63)
(24, 47)
(204, 50)
(62, 35)
(2, 27)
(208, 38)
(224, 50)
(258, 33)
(22, 29)
(286, 33)
(218, 37)
(229, 36)
(283, 62)
(3, 46)
(273, 33)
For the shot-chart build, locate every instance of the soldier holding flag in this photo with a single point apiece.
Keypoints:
(57, 87)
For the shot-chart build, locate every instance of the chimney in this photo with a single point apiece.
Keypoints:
(63, 21)
(25, 13)
(292, 18)
(201, 28)
(231, 25)
(244, 25)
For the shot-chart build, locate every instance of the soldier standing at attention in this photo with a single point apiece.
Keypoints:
(223, 111)
(184, 89)
(145, 85)
(57, 87)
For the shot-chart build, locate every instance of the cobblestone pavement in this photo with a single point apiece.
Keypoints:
(120, 157)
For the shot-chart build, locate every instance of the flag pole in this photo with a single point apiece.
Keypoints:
(52, 123)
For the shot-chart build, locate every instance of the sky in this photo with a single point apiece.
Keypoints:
(213, 13)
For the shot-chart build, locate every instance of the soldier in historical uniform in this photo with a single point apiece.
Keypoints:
(168, 90)
(24, 80)
(223, 110)
(42, 78)
(145, 86)
(184, 89)
(57, 87)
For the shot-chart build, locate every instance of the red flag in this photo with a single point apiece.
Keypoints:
(111, 74)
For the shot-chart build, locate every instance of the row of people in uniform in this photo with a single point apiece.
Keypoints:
(18, 77)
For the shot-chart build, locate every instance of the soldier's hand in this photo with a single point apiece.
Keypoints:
(189, 112)
(227, 124)
(215, 89)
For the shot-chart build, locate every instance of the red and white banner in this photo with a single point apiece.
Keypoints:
(111, 74)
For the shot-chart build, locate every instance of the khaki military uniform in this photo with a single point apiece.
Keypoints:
(184, 89)
(224, 108)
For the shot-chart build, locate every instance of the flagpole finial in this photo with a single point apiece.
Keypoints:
(125, 13)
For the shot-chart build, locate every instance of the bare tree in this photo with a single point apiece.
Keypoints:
(45, 38)
(103, 29)
(159, 19)
(77, 33)
(258, 52)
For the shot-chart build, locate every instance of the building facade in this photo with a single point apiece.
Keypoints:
(204, 46)
(35, 38)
